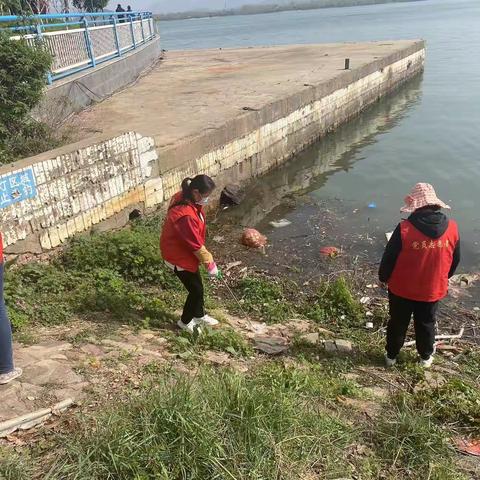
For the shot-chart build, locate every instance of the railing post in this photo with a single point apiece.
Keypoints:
(40, 38)
(88, 41)
(133, 32)
(150, 19)
(117, 39)
(141, 23)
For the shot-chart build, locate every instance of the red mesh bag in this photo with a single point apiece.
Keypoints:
(254, 239)
(329, 251)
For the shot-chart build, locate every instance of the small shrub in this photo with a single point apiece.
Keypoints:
(22, 81)
(265, 298)
(38, 292)
(134, 254)
(455, 402)
(333, 301)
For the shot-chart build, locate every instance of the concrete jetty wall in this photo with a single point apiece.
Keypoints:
(76, 92)
(96, 184)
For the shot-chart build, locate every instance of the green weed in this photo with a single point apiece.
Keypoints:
(308, 380)
(265, 299)
(132, 253)
(409, 442)
(221, 340)
(335, 303)
(13, 466)
(458, 402)
(219, 425)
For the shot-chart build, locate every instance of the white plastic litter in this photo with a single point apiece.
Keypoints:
(281, 223)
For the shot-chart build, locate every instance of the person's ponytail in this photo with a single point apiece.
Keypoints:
(186, 186)
(203, 183)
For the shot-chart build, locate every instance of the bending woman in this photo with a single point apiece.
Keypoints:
(7, 370)
(182, 244)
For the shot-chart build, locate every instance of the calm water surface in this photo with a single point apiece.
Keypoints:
(426, 132)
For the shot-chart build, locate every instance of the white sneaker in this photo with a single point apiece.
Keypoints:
(390, 362)
(207, 320)
(190, 327)
(8, 377)
(426, 363)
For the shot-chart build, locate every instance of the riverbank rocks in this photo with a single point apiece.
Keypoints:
(310, 338)
(271, 345)
(342, 347)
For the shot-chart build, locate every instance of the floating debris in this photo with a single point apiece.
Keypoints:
(281, 223)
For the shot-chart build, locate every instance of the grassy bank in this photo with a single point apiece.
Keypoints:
(308, 415)
(275, 423)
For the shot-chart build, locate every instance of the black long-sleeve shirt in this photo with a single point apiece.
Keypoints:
(430, 222)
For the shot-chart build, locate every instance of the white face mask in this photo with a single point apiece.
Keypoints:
(203, 201)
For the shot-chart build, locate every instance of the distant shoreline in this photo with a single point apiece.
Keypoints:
(259, 9)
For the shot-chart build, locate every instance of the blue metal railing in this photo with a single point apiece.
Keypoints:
(79, 41)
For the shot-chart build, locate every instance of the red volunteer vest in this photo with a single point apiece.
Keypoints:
(421, 271)
(174, 249)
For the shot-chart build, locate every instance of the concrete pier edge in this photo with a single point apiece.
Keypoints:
(98, 182)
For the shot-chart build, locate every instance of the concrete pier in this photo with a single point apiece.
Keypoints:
(232, 114)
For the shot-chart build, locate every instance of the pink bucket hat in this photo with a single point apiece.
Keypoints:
(422, 195)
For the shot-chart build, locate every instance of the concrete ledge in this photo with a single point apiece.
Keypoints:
(192, 117)
(73, 94)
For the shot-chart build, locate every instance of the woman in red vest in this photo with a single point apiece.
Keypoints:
(422, 254)
(7, 370)
(182, 244)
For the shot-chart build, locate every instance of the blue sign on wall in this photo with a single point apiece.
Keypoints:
(17, 187)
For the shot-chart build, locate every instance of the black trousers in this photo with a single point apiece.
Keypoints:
(424, 317)
(194, 306)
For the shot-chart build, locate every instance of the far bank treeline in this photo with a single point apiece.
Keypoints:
(273, 7)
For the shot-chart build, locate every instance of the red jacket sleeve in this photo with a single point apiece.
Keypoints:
(187, 229)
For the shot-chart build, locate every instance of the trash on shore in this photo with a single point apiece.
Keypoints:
(232, 195)
(281, 223)
(464, 279)
(440, 337)
(231, 265)
(253, 238)
(331, 252)
(388, 236)
(469, 447)
(458, 284)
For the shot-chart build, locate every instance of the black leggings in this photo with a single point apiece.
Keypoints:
(424, 317)
(194, 306)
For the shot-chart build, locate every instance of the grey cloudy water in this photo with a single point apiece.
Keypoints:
(435, 139)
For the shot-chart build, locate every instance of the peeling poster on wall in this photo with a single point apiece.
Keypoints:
(17, 187)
